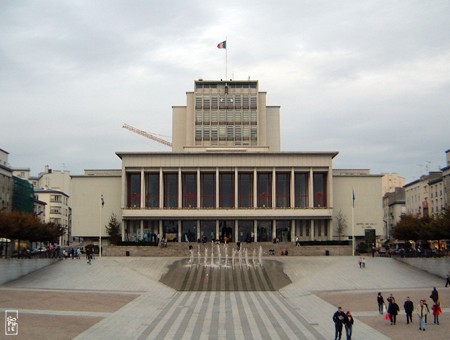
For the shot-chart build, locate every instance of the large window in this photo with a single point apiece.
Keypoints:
(226, 231)
(208, 230)
(151, 230)
(301, 190)
(283, 189)
(170, 230)
(320, 189)
(245, 231)
(245, 190)
(133, 190)
(152, 190)
(171, 190)
(189, 231)
(283, 230)
(189, 186)
(226, 190)
(264, 229)
(208, 190)
(264, 183)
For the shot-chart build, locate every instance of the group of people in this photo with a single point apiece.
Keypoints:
(343, 319)
(422, 310)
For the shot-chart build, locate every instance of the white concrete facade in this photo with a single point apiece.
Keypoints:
(367, 192)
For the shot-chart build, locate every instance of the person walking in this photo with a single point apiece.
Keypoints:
(447, 282)
(339, 319)
(437, 310)
(422, 312)
(409, 308)
(89, 255)
(434, 295)
(349, 325)
(393, 310)
(380, 301)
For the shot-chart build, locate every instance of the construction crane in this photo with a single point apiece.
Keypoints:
(146, 134)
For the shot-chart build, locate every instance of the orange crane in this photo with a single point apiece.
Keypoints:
(146, 134)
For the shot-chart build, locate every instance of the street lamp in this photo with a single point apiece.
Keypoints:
(102, 203)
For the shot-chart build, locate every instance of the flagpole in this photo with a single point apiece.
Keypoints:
(226, 58)
(102, 202)
(353, 223)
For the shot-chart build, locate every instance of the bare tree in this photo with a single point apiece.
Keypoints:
(341, 224)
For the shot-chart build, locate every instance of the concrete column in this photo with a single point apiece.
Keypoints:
(311, 189)
(217, 187)
(161, 189)
(236, 183)
(311, 231)
(198, 188)
(274, 192)
(180, 189)
(255, 189)
(292, 191)
(142, 203)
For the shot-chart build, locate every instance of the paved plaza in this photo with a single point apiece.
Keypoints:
(123, 298)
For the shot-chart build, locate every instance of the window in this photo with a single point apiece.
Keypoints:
(133, 190)
(283, 189)
(152, 190)
(320, 190)
(189, 185)
(170, 190)
(301, 190)
(226, 190)
(245, 190)
(208, 190)
(264, 187)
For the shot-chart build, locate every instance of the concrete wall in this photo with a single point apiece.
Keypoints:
(12, 269)
(436, 266)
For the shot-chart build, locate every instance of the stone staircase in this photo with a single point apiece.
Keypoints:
(181, 249)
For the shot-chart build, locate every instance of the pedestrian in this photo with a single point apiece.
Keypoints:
(89, 255)
(349, 325)
(297, 242)
(409, 308)
(447, 282)
(436, 312)
(393, 310)
(339, 320)
(364, 262)
(360, 262)
(380, 301)
(434, 295)
(422, 312)
(78, 253)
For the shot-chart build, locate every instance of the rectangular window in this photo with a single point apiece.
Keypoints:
(226, 190)
(253, 102)
(301, 190)
(214, 103)
(237, 101)
(152, 190)
(170, 230)
(245, 190)
(208, 190)
(264, 194)
(245, 102)
(283, 189)
(189, 187)
(320, 190)
(133, 190)
(170, 190)
(198, 102)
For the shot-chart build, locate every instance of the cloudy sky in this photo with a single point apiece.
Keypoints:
(369, 79)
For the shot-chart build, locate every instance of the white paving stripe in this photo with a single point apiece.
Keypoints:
(271, 333)
(249, 315)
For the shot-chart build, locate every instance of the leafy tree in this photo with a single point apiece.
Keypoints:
(113, 229)
(341, 224)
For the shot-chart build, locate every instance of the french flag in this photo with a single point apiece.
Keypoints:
(223, 44)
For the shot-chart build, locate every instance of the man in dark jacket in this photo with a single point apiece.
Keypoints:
(339, 319)
(409, 308)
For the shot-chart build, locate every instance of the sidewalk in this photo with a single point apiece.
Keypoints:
(126, 300)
